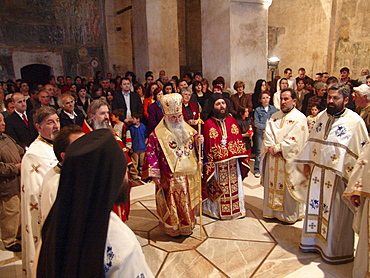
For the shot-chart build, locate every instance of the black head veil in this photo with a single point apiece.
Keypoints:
(75, 231)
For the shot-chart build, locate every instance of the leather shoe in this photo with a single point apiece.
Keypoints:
(14, 248)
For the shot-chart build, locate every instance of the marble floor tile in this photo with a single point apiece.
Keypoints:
(150, 205)
(141, 219)
(188, 264)
(247, 228)
(154, 257)
(235, 258)
(165, 242)
(280, 263)
(142, 237)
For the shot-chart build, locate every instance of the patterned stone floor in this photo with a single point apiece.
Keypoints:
(247, 247)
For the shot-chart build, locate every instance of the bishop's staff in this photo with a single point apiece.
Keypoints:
(200, 166)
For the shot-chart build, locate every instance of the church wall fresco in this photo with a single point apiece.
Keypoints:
(49, 25)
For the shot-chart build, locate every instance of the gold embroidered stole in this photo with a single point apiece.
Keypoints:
(277, 182)
(186, 164)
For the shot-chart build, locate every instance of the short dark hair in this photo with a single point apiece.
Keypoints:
(301, 69)
(344, 69)
(136, 115)
(292, 92)
(287, 69)
(331, 79)
(61, 140)
(120, 113)
(367, 76)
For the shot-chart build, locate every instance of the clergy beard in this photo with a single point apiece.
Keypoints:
(104, 124)
(219, 115)
(333, 109)
(178, 131)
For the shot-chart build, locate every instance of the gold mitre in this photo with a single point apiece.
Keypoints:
(172, 103)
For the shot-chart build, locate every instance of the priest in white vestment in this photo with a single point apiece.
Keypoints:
(38, 159)
(357, 196)
(329, 157)
(284, 184)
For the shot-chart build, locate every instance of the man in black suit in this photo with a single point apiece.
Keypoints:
(69, 114)
(19, 124)
(128, 101)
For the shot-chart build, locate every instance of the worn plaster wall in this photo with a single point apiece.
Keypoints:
(320, 35)
(119, 50)
(298, 34)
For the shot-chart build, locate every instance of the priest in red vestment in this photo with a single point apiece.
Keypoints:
(226, 164)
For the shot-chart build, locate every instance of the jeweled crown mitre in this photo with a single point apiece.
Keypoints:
(172, 103)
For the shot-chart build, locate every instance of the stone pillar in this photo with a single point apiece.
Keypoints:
(234, 40)
(155, 37)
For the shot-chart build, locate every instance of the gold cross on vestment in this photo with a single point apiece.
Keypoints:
(271, 169)
(312, 226)
(328, 184)
(315, 180)
(314, 152)
(34, 206)
(35, 168)
(362, 163)
(333, 157)
(358, 184)
(349, 169)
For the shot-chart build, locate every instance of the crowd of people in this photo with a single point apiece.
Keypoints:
(195, 141)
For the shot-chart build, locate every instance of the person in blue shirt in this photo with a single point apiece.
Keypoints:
(139, 136)
(261, 115)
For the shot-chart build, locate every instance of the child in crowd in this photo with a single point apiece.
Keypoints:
(311, 119)
(139, 135)
(261, 115)
(245, 124)
(119, 127)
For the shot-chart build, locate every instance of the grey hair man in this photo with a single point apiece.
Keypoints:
(39, 159)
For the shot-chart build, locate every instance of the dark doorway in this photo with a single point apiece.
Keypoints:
(36, 74)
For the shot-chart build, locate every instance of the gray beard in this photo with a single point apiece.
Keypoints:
(178, 132)
(97, 125)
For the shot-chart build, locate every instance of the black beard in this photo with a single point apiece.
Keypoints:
(219, 115)
(333, 110)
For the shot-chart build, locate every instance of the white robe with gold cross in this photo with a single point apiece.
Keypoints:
(39, 159)
(331, 150)
(284, 184)
(359, 184)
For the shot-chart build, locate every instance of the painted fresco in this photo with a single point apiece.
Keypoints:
(71, 27)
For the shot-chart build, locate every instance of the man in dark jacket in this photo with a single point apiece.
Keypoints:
(69, 114)
(10, 165)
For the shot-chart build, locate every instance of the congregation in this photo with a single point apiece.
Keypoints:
(194, 139)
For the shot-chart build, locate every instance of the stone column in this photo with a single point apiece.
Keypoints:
(234, 40)
(155, 37)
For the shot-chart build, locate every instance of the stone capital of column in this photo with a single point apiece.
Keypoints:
(266, 3)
